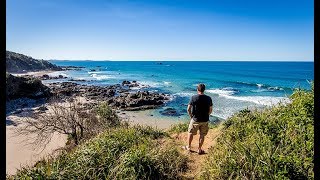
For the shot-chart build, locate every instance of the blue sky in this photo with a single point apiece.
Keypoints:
(162, 30)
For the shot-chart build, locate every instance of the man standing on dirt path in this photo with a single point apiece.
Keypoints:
(199, 109)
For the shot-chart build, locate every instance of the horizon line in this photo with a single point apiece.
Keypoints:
(168, 60)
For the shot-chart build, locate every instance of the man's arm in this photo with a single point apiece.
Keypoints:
(210, 110)
(189, 110)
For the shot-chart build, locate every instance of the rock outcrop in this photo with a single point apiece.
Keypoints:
(170, 112)
(117, 96)
(23, 87)
(18, 63)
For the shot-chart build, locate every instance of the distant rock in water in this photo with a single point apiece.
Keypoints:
(77, 68)
(23, 87)
(170, 112)
(17, 63)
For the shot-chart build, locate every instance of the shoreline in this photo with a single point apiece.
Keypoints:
(34, 73)
(147, 117)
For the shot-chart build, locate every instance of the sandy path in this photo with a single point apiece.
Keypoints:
(196, 161)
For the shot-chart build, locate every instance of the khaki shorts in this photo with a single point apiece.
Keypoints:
(202, 126)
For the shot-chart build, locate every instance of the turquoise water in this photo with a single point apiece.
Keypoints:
(232, 85)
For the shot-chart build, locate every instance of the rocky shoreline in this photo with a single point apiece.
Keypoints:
(118, 96)
(125, 96)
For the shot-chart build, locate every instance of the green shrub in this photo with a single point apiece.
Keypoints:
(183, 127)
(276, 143)
(120, 153)
(107, 115)
(143, 162)
(179, 128)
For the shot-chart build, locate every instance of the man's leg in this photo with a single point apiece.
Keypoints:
(204, 128)
(192, 129)
(190, 138)
(201, 140)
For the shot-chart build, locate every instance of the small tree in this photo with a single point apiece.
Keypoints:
(71, 118)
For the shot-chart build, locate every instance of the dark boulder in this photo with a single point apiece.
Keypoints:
(170, 112)
(45, 76)
(18, 87)
(125, 83)
(77, 80)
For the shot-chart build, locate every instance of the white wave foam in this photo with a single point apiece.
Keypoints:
(94, 72)
(135, 88)
(274, 88)
(222, 92)
(259, 90)
(166, 82)
(53, 74)
(262, 100)
(260, 85)
(102, 77)
(80, 78)
(151, 84)
(183, 94)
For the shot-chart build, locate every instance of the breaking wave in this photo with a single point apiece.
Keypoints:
(229, 93)
(102, 77)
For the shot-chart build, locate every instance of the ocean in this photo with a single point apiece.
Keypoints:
(233, 86)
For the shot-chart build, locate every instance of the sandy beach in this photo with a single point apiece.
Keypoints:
(36, 73)
(20, 153)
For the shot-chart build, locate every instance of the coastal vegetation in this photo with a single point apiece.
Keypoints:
(119, 153)
(276, 143)
(16, 62)
(183, 127)
(71, 118)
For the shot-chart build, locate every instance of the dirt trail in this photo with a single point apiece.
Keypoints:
(196, 161)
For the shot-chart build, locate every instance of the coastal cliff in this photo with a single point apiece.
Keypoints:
(17, 63)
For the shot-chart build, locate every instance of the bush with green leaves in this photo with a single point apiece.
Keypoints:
(183, 127)
(119, 153)
(276, 143)
(107, 116)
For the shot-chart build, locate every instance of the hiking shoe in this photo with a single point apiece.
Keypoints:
(187, 148)
(200, 151)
